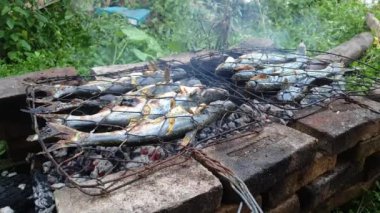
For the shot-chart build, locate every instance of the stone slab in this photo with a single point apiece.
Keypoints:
(291, 205)
(292, 183)
(14, 86)
(265, 158)
(184, 187)
(342, 125)
(327, 185)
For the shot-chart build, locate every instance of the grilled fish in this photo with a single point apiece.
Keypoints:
(266, 83)
(115, 86)
(268, 58)
(270, 69)
(291, 94)
(253, 61)
(136, 107)
(175, 125)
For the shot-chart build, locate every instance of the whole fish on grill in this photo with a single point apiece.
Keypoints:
(270, 69)
(267, 83)
(50, 106)
(136, 107)
(291, 94)
(114, 86)
(175, 125)
(255, 61)
(268, 58)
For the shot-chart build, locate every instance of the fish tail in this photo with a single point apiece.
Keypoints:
(66, 134)
(58, 118)
(57, 146)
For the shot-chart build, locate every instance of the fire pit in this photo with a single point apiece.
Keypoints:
(127, 122)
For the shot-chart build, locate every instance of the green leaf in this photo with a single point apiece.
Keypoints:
(24, 45)
(14, 37)
(21, 11)
(3, 147)
(13, 55)
(2, 33)
(5, 10)
(140, 55)
(10, 23)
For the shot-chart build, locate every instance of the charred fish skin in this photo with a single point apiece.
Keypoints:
(272, 83)
(175, 125)
(270, 69)
(119, 86)
(268, 58)
(291, 94)
(264, 61)
(139, 107)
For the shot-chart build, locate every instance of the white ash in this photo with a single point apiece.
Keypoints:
(21, 186)
(46, 166)
(102, 167)
(42, 193)
(58, 186)
(6, 209)
(12, 174)
(244, 119)
(60, 153)
(4, 173)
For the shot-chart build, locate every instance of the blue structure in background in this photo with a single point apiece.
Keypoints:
(134, 16)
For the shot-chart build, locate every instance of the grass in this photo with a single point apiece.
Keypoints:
(368, 203)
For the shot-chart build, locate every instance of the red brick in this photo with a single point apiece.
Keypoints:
(292, 183)
(264, 159)
(365, 149)
(342, 125)
(292, 205)
(328, 184)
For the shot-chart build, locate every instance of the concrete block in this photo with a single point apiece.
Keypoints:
(263, 159)
(342, 125)
(183, 187)
(292, 183)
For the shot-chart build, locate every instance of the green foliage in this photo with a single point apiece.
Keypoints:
(368, 203)
(76, 39)
(3, 147)
(321, 24)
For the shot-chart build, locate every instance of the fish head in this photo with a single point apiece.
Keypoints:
(213, 94)
(241, 67)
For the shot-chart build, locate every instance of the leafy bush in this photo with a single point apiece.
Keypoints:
(75, 39)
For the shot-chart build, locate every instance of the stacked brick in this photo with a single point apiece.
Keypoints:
(316, 164)
(345, 163)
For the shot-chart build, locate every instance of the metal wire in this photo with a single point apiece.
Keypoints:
(135, 121)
